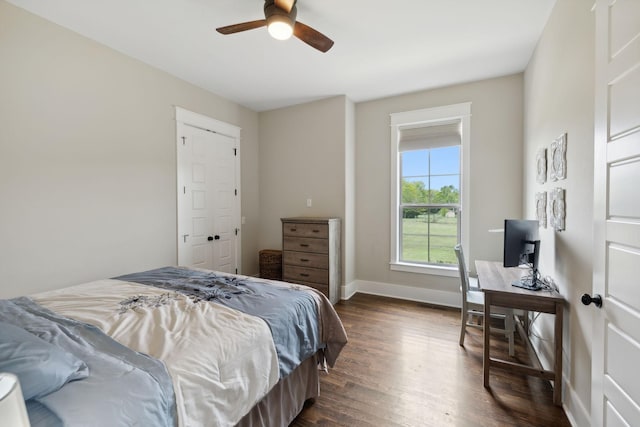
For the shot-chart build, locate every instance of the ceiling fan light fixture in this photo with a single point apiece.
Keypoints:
(280, 20)
(280, 27)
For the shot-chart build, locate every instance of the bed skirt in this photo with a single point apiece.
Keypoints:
(286, 399)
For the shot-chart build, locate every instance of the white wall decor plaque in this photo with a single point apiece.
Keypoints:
(541, 166)
(541, 208)
(557, 209)
(558, 158)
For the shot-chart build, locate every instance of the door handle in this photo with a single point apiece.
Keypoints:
(588, 299)
(216, 237)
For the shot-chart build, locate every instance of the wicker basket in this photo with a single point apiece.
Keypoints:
(271, 264)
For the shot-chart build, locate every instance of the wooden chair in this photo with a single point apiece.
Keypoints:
(473, 305)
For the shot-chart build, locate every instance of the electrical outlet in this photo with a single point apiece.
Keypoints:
(308, 203)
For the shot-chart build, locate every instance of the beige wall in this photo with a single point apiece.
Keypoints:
(302, 155)
(559, 97)
(496, 174)
(87, 158)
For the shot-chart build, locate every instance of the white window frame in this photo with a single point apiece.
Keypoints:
(428, 117)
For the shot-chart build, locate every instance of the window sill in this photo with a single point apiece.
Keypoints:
(448, 271)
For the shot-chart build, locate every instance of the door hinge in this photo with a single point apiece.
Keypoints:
(184, 189)
(236, 191)
(237, 229)
(184, 138)
(236, 271)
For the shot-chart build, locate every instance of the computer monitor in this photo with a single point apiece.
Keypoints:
(522, 247)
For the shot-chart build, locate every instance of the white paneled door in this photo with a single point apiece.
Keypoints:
(208, 208)
(616, 339)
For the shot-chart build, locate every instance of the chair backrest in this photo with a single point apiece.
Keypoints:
(462, 269)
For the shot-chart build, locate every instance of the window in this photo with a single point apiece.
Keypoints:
(429, 205)
(427, 188)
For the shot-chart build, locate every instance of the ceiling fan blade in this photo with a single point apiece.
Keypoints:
(312, 37)
(244, 26)
(285, 5)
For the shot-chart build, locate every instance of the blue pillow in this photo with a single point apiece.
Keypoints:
(41, 367)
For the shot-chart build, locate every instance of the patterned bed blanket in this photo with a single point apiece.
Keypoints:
(290, 312)
(224, 339)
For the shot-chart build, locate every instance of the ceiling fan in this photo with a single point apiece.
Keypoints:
(280, 20)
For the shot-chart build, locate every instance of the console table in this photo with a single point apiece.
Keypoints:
(495, 282)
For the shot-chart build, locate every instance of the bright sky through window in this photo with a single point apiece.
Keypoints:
(437, 167)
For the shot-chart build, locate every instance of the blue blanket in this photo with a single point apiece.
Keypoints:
(292, 315)
(122, 388)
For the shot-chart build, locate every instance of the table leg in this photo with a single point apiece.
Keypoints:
(557, 382)
(486, 334)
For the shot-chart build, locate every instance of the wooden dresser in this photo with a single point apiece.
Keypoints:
(311, 254)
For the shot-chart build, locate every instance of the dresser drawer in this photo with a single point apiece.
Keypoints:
(292, 273)
(305, 230)
(306, 259)
(306, 244)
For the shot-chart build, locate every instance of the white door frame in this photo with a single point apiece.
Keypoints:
(197, 120)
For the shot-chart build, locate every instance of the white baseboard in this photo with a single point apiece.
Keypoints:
(348, 290)
(576, 412)
(574, 408)
(429, 296)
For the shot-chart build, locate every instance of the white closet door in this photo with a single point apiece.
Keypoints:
(208, 214)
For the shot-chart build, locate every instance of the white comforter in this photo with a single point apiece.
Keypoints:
(234, 352)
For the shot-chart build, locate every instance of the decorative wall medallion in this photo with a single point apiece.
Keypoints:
(541, 208)
(557, 209)
(541, 166)
(558, 158)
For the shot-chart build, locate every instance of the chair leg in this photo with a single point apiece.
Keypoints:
(464, 325)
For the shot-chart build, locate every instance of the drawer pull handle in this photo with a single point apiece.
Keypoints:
(294, 230)
(316, 231)
(304, 245)
(304, 275)
(304, 260)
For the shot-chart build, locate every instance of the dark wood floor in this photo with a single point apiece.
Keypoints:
(403, 367)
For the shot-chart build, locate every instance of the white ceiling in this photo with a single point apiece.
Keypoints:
(381, 48)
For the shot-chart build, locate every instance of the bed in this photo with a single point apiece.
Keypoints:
(170, 347)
